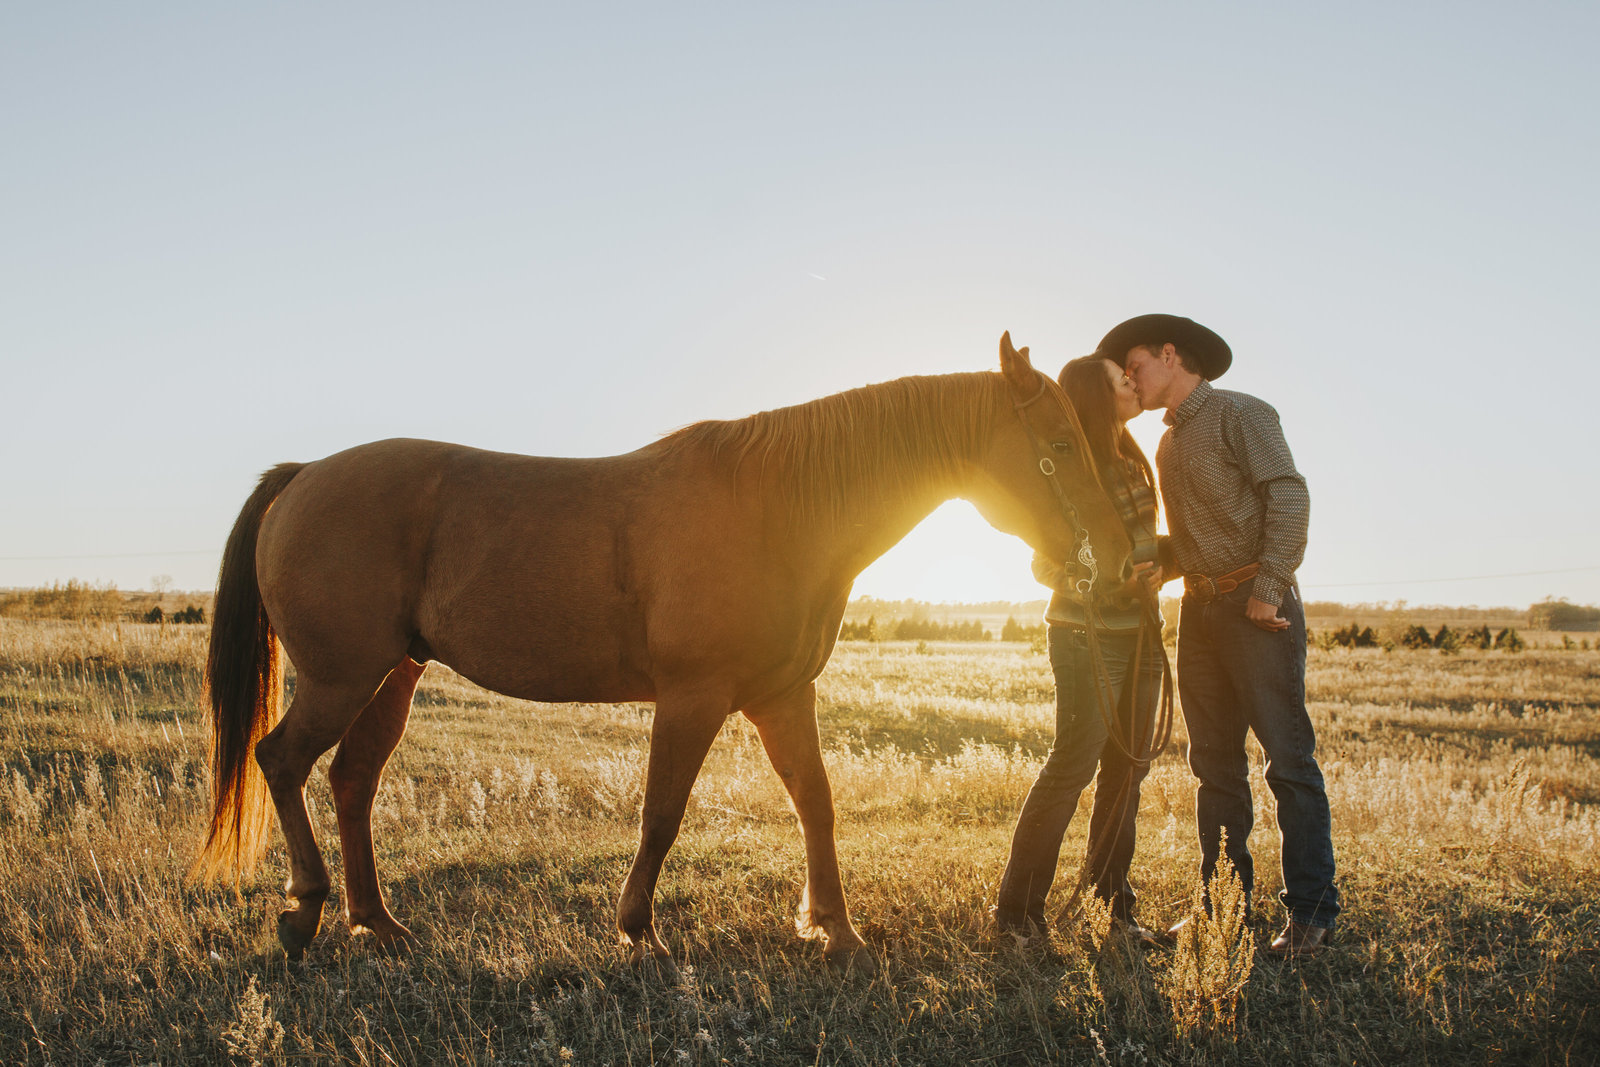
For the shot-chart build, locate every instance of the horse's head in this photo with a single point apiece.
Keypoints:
(1038, 480)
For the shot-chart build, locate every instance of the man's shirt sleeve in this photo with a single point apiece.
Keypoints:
(1257, 441)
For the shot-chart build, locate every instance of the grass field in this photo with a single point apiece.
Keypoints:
(1466, 818)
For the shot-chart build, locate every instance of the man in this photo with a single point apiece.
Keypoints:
(1238, 512)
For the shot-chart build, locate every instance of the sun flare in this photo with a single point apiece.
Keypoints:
(953, 557)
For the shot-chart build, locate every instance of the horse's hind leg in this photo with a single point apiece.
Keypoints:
(355, 773)
(680, 737)
(788, 729)
(315, 721)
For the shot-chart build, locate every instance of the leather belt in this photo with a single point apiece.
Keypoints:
(1203, 588)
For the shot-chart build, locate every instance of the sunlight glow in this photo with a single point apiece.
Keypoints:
(953, 557)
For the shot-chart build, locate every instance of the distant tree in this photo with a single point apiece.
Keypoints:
(155, 614)
(972, 630)
(1013, 630)
(1480, 638)
(1508, 640)
(1354, 636)
(1553, 614)
(1447, 641)
(1416, 637)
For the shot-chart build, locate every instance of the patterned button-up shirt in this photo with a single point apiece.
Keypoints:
(1232, 494)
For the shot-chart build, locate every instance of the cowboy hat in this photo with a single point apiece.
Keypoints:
(1206, 351)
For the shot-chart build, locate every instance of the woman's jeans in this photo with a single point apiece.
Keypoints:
(1081, 746)
(1234, 677)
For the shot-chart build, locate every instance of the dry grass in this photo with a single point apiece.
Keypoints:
(1466, 823)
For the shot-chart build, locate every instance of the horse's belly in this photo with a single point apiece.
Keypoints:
(555, 683)
(546, 656)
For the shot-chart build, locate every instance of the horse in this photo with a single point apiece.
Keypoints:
(707, 572)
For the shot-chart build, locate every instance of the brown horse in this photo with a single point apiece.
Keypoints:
(707, 572)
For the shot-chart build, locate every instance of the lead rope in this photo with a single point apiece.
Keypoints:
(1156, 735)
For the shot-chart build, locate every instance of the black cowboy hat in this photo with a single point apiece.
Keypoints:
(1209, 352)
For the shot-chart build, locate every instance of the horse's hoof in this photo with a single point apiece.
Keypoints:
(858, 960)
(389, 939)
(294, 940)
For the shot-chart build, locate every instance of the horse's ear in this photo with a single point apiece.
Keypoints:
(1015, 366)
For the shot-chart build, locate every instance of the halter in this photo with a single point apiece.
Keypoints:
(1047, 467)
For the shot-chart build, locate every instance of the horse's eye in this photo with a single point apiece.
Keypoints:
(1065, 448)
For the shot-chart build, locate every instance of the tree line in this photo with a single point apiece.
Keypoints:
(913, 630)
(1445, 639)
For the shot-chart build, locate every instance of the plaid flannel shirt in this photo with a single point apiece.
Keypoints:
(1232, 494)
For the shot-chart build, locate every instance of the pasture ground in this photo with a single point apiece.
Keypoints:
(1466, 817)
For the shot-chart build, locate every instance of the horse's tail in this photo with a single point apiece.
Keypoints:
(244, 686)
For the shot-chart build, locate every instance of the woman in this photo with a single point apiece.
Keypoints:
(1129, 638)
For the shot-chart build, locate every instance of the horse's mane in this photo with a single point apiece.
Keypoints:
(884, 442)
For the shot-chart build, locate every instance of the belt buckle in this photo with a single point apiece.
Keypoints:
(1206, 592)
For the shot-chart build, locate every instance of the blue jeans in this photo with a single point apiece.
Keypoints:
(1234, 677)
(1080, 746)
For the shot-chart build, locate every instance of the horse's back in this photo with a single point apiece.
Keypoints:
(531, 575)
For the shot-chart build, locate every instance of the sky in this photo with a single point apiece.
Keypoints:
(235, 235)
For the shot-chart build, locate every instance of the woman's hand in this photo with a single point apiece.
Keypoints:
(1146, 580)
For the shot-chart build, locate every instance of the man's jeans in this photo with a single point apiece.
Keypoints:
(1081, 745)
(1233, 677)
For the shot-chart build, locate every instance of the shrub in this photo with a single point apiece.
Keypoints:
(861, 631)
(1508, 640)
(1353, 636)
(1015, 631)
(1446, 640)
(913, 629)
(1416, 637)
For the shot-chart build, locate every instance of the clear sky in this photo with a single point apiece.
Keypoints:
(232, 235)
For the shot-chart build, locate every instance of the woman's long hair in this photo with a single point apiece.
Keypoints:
(1086, 384)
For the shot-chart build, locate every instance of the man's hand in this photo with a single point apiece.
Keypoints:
(1265, 615)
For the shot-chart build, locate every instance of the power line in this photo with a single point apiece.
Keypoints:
(1462, 578)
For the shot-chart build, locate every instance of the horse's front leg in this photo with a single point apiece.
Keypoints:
(681, 735)
(788, 728)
